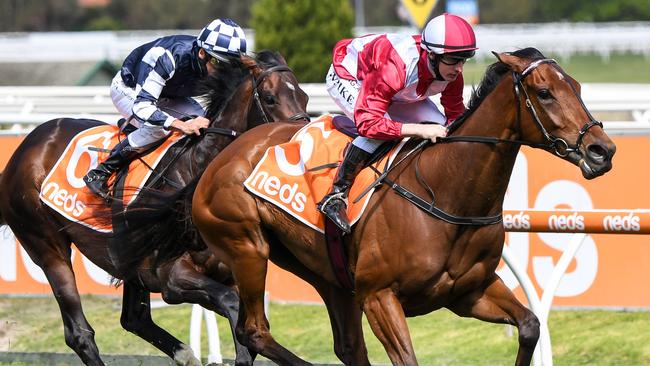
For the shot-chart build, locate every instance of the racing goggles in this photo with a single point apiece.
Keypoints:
(452, 60)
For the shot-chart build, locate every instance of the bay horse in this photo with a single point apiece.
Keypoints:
(240, 95)
(414, 262)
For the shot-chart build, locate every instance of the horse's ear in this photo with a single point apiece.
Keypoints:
(515, 63)
(281, 58)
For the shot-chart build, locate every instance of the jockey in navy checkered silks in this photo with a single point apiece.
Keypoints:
(156, 86)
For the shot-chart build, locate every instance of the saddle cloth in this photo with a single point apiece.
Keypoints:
(64, 189)
(284, 175)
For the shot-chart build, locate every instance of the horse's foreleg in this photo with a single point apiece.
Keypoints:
(185, 285)
(249, 268)
(344, 312)
(345, 318)
(388, 322)
(136, 318)
(497, 304)
(247, 257)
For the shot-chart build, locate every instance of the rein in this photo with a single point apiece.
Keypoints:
(428, 207)
(556, 144)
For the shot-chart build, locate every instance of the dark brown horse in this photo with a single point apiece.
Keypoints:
(411, 263)
(243, 94)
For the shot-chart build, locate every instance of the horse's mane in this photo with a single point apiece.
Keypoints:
(217, 89)
(491, 79)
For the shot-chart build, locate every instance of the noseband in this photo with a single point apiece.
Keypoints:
(560, 146)
(257, 82)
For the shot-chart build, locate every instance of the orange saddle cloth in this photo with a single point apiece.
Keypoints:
(64, 189)
(285, 177)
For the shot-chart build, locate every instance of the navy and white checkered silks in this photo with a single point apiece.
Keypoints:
(223, 36)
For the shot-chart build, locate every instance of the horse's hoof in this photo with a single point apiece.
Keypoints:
(185, 357)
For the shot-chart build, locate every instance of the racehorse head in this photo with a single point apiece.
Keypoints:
(550, 112)
(258, 90)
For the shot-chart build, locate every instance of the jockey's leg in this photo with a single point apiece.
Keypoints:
(122, 154)
(97, 178)
(334, 204)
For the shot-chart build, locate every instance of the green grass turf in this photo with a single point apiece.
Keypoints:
(440, 338)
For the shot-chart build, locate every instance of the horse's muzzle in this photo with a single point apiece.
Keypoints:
(595, 159)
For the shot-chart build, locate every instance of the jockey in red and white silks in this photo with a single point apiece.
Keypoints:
(388, 73)
(383, 83)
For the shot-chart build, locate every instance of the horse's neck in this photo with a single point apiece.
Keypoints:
(477, 174)
(233, 117)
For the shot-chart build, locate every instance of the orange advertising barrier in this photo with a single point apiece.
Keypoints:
(568, 221)
(607, 271)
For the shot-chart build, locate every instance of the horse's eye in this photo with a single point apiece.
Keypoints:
(544, 94)
(268, 99)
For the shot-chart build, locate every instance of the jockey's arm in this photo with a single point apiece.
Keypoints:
(374, 99)
(376, 94)
(190, 127)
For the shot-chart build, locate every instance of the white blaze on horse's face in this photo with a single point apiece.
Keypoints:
(290, 86)
(559, 74)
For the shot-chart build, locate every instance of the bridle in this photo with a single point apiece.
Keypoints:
(257, 82)
(553, 143)
(560, 146)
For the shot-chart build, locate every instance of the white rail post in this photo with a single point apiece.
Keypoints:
(214, 345)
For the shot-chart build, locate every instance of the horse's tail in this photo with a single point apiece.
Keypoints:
(158, 223)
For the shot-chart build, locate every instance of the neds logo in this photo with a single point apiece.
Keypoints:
(272, 186)
(63, 199)
(566, 222)
(517, 222)
(630, 222)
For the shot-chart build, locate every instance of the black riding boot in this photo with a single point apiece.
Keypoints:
(121, 155)
(334, 204)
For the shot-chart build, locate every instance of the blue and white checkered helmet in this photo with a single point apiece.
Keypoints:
(222, 37)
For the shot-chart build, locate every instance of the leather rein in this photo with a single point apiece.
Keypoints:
(553, 143)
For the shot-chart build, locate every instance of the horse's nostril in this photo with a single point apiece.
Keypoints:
(597, 153)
